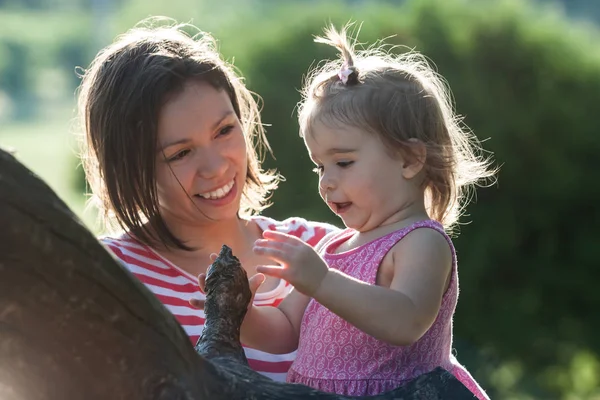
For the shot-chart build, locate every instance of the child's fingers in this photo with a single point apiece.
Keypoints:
(197, 303)
(272, 270)
(277, 251)
(273, 244)
(213, 256)
(279, 255)
(280, 237)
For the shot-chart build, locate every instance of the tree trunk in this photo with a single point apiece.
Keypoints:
(75, 324)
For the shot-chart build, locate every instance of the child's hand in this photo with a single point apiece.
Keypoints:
(300, 263)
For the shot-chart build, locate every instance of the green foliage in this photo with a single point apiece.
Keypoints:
(32, 42)
(13, 79)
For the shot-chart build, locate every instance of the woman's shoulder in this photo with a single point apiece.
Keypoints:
(140, 259)
(117, 240)
(124, 246)
(310, 231)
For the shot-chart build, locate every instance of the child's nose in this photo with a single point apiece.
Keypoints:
(327, 182)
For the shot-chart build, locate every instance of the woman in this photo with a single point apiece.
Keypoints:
(170, 144)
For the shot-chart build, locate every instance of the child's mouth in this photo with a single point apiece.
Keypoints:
(340, 208)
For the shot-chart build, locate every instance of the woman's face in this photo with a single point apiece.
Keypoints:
(201, 160)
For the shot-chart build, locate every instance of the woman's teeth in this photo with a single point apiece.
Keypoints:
(219, 193)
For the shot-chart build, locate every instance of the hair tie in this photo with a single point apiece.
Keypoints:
(344, 73)
(348, 75)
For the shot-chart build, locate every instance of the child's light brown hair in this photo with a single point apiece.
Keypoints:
(120, 99)
(400, 98)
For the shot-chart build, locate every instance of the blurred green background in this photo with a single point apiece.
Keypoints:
(526, 78)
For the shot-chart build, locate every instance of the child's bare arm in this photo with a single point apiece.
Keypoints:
(275, 329)
(402, 313)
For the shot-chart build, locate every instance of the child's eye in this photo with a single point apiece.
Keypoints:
(344, 164)
(179, 155)
(318, 169)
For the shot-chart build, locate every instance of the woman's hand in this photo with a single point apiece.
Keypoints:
(300, 264)
(255, 281)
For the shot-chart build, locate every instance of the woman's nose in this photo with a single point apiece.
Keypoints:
(211, 164)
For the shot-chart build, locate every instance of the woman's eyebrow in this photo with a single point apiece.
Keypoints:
(226, 115)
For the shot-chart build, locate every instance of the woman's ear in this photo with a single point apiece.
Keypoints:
(414, 159)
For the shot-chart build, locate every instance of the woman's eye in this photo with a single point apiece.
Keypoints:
(226, 130)
(318, 169)
(344, 164)
(179, 155)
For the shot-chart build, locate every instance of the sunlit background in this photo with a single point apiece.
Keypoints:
(526, 79)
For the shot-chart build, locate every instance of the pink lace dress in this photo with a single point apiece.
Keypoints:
(334, 356)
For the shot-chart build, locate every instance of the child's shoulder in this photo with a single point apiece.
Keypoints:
(424, 232)
(312, 232)
(424, 238)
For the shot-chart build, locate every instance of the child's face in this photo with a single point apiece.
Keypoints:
(201, 155)
(358, 179)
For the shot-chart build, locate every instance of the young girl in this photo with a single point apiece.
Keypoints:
(373, 304)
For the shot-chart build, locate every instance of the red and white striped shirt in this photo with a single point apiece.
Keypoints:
(174, 287)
